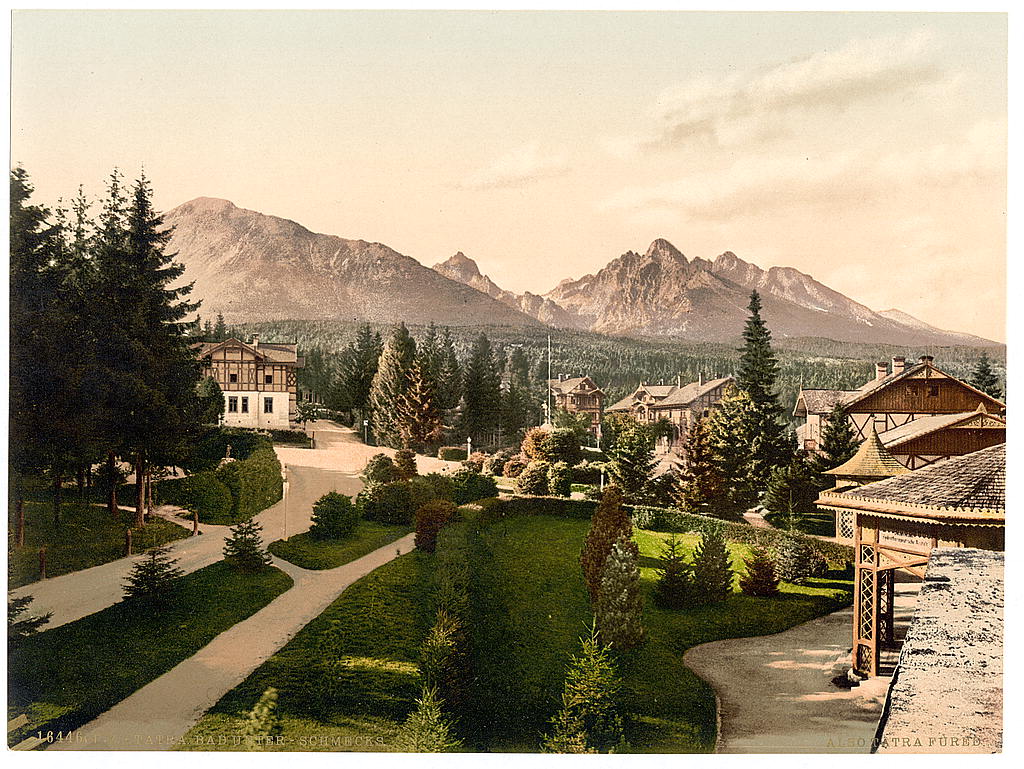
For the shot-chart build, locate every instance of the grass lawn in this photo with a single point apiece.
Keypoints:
(64, 677)
(87, 536)
(309, 553)
(347, 679)
(539, 609)
(822, 523)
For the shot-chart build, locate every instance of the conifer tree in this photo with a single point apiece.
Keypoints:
(419, 421)
(389, 383)
(220, 330)
(796, 559)
(152, 581)
(712, 569)
(357, 370)
(243, 549)
(429, 356)
(444, 663)
(589, 720)
(211, 399)
(675, 577)
(449, 392)
(405, 464)
(759, 368)
(632, 462)
(760, 579)
(838, 443)
(262, 721)
(700, 489)
(481, 393)
(792, 490)
(619, 609)
(427, 729)
(609, 524)
(20, 626)
(984, 378)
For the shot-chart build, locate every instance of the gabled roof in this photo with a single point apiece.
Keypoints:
(872, 460)
(972, 486)
(821, 401)
(684, 396)
(274, 352)
(657, 392)
(922, 426)
(569, 385)
(911, 372)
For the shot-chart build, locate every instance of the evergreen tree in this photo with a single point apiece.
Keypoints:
(152, 581)
(985, 379)
(389, 383)
(589, 720)
(220, 330)
(759, 368)
(619, 608)
(211, 399)
(262, 721)
(405, 464)
(838, 443)
(792, 490)
(481, 393)
(430, 357)
(444, 663)
(427, 730)
(632, 462)
(760, 579)
(357, 369)
(449, 392)
(20, 626)
(712, 569)
(700, 489)
(243, 549)
(334, 517)
(419, 421)
(675, 577)
(609, 524)
(796, 559)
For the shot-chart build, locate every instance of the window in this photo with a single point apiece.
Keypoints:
(245, 405)
(268, 405)
(233, 404)
(233, 378)
(268, 379)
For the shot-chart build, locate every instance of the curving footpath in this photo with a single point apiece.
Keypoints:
(159, 714)
(775, 693)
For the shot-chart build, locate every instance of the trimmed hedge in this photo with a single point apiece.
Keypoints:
(201, 493)
(387, 502)
(255, 483)
(212, 446)
(291, 438)
(471, 486)
(451, 453)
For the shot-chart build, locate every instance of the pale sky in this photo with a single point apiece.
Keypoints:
(867, 149)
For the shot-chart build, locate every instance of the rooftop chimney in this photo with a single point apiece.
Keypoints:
(881, 370)
(700, 379)
(679, 380)
(256, 341)
(927, 358)
(899, 364)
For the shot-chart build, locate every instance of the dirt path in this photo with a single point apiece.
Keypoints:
(334, 465)
(775, 692)
(160, 713)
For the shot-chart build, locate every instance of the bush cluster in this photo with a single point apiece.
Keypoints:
(533, 479)
(426, 488)
(471, 486)
(560, 479)
(515, 465)
(334, 517)
(495, 463)
(379, 469)
(475, 462)
(255, 483)
(202, 493)
(386, 502)
(796, 558)
(430, 519)
(452, 453)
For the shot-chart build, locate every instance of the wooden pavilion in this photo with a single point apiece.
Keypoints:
(959, 502)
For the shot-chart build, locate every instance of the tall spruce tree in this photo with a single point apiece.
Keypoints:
(632, 462)
(619, 608)
(609, 523)
(700, 488)
(712, 569)
(838, 443)
(389, 383)
(419, 420)
(356, 371)
(449, 392)
(481, 393)
(791, 492)
(984, 378)
(675, 577)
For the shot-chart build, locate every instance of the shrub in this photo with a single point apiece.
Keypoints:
(561, 445)
(675, 577)
(444, 662)
(427, 488)
(760, 579)
(405, 464)
(609, 524)
(515, 465)
(587, 472)
(452, 453)
(202, 493)
(475, 462)
(426, 730)
(243, 549)
(290, 437)
(152, 581)
(796, 559)
(532, 446)
(430, 519)
(533, 479)
(495, 463)
(379, 469)
(334, 517)
(712, 569)
(255, 483)
(386, 502)
(619, 607)
(262, 721)
(21, 624)
(212, 446)
(560, 479)
(471, 486)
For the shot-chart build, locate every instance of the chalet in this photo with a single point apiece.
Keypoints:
(258, 380)
(898, 522)
(895, 398)
(682, 405)
(578, 395)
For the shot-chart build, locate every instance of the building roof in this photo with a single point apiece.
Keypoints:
(276, 352)
(657, 392)
(911, 372)
(968, 487)
(568, 385)
(949, 678)
(822, 401)
(684, 396)
(916, 428)
(872, 460)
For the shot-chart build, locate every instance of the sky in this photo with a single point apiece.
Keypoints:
(866, 149)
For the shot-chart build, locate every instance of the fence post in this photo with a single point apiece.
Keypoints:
(127, 542)
(195, 522)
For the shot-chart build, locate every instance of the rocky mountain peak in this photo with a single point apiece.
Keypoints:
(459, 264)
(662, 249)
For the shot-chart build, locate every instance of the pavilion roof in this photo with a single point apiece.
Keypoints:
(872, 460)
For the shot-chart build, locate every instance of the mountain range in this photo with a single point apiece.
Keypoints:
(253, 267)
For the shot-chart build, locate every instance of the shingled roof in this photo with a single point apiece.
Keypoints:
(823, 401)
(684, 396)
(925, 425)
(972, 483)
(872, 460)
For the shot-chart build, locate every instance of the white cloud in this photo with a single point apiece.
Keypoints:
(522, 165)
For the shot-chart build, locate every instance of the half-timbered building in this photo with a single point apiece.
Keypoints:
(259, 380)
(578, 395)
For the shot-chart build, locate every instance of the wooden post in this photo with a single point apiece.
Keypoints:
(140, 490)
(195, 522)
(149, 491)
(20, 506)
(42, 563)
(127, 542)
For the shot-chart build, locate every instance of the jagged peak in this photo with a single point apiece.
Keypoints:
(662, 248)
(208, 204)
(460, 262)
(727, 259)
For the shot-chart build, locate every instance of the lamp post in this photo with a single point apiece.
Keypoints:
(285, 484)
(366, 428)
(469, 446)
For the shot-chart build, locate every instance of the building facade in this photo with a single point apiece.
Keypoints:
(259, 381)
(578, 395)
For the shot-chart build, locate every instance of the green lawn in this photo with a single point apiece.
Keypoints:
(64, 677)
(87, 536)
(309, 553)
(348, 679)
(538, 609)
